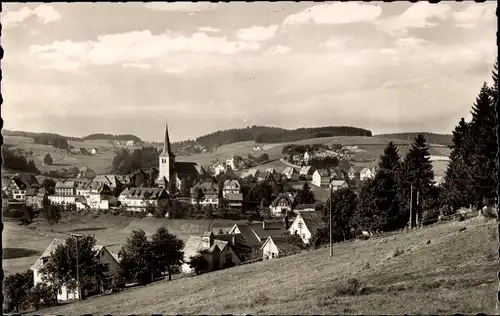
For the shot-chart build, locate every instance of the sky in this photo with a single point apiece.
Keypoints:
(127, 68)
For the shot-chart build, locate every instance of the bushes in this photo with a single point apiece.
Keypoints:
(349, 287)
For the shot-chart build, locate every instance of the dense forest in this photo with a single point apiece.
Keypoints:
(54, 140)
(123, 137)
(264, 134)
(432, 138)
(17, 162)
(35, 135)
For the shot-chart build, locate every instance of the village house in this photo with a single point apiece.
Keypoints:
(306, 171)
(137, 199)
(94, 151)
(366, 173)
(281, 204)
(321, 178)
(210, 193)
(18, 185)
(231, 193)
(306, 224)
(219, 254)
(110, 180)
(276, 246)
(35, 196)
(230, 163)
(291, 173)
(86, 173)
(83, 189)
(98, 197)
(65, 193)
(338, 184)
(304, 208)
(255, 234)
(307, 157)
(219, 168)
(65, 294)
(354, 172)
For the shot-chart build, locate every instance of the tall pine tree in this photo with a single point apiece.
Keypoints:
(455, 193)
(417, 173)
(482, 173)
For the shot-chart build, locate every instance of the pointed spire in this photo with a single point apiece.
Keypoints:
(166, 143)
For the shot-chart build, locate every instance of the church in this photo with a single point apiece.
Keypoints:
(172, 174)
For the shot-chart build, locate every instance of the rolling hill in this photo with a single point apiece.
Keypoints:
(435, 270)
(433, 138)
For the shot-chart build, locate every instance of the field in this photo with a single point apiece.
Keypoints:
(101, 162)
(439, 270)
(24, 245)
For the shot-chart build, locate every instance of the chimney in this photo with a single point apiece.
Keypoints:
(264, 224)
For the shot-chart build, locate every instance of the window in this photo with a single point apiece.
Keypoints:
(300, 224)
(303, 236)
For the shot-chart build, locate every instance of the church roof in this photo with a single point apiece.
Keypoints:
(167, 150)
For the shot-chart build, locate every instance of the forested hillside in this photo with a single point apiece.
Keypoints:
(101, 136)
(264, 134)
(432, 138)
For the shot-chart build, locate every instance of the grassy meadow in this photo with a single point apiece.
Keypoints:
(440, 269)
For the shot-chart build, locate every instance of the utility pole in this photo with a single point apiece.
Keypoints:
(411, 206)
(331, 244)
(417, 210)
(77, 267)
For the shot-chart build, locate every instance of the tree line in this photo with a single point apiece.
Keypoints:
(126, 162)
(54, 140)
(119, 137)
(432, 138)
(17, 162)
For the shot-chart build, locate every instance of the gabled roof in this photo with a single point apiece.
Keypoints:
(312, 220)
(285, 244)
(206, 186)
(289, 170)
(110, 180)
(194, 244)
(287, 196)
(272, 229)
(231, 183)
(239, 246)
(51, 248)
(305, 170)
(65, 184)
(323, 172)
(144, 193)
(271, 170)
(31, 192)
(84, 186)
(337, 183)
(247, 233)
(27, 179)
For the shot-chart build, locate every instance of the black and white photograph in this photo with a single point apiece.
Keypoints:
(262, 158)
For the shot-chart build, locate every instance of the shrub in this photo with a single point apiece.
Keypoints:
(349, 287)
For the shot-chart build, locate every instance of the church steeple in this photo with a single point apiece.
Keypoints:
(166, 145)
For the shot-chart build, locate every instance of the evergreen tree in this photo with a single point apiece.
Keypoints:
(417, 172)
(343, 208)
(365, 217)
(482, 173)
(455, 193)
(137, 258)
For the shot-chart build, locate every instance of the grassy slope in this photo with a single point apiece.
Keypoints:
(455, 273)
(110, 231)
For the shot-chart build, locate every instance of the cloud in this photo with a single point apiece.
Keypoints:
(474, 14)
(418, 15)
(279, 49)
(134, 47)
(137, 65)
(257, 33)
(335, 43)
(180, 6)
(44, 13)
(336, 13)
(208, 29)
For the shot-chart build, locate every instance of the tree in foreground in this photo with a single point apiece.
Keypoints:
(52, 215)
(343, 205)
(167, 250)
(62, 266)
(16, 290)
(137, 258)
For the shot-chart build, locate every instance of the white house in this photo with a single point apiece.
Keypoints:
(83, 189)
(219, 168)
(321, 178)
(306, 224)
(366, 173)
(281, 204)
(210, 193)
(94, 151)
(102, 252)
(140, 198)
(338, 184)
(307, 156)
(306, 171)
(274, 246)
(98, 197)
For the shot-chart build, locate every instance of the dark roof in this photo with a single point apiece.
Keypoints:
(65, 184)
(286, 244)
(287, 196)
(27, 178)
(231, 183)
(188, 169)
(323, 172)
(206, 186)
(144, 193)
(110, 180)
(251, 239)
(239, 246)
(31, 192)
(272, 229)
(313, 220)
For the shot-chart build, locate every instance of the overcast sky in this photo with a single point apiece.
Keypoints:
(81, 68)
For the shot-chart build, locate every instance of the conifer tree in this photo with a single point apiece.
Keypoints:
(482, 173)
(417, 172)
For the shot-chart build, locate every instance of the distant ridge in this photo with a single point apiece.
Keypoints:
(432, 138)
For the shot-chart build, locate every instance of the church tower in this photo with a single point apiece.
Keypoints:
(166, 174)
